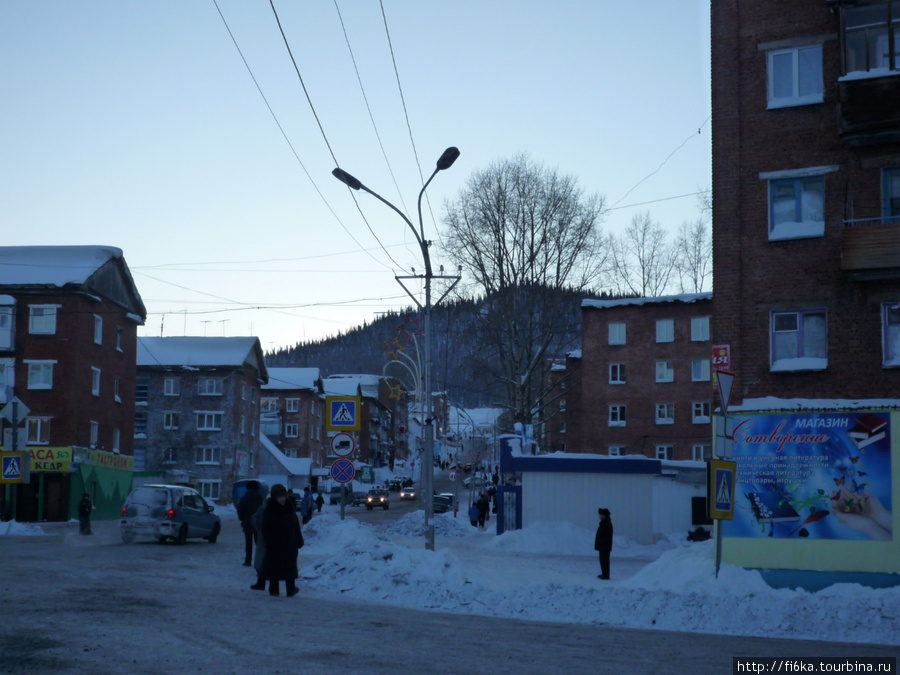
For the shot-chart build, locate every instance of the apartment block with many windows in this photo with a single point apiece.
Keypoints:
(293, 413)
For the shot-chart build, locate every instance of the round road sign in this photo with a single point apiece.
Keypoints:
(343, 444)
(342, 471)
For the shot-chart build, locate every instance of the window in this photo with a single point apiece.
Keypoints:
(890, 191)
(38, 430)
(665, 413)
(42, 319)
(293, 405)
(872, 37)
(170, 420)
(268, 405)
(205, 455)
(119, 336)
(700, 370)
(562, 405)
(665, 452)
(665, 371)
(253, 428)
(98, 329)
(795, 76)
(700, 329)
(617, 415)
(799, 340)
(6, 327)
(617, 373)
(243, 425)
(665, 330)
(291, 430)
(797, 207)
(890, 331)
(170, 456)
(117, 439)
(118, 390)
(140, 424)
(95, 433)
(95, 381)
(7, 375)
(562, 427)
(141, 390)
(171, 386)
(209, 421)
(209, 489)
(312, 434)
(702, 451)
(701, 412)
(616, 450)
(244, 391)
(40, 374)
(617, 333)
(209, 386)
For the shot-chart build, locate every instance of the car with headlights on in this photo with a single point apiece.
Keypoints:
(380, 498)
(163, 512)
(407, 492)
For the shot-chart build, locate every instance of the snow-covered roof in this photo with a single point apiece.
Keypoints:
(345, 385)
(198, 352)
(340, 387)
(773, 403)
(464, 418)
(292, 378)
(684, 297)
(52, 265)
(295, 466)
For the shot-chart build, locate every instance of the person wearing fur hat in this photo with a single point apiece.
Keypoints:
(282, 540)
(603, 541)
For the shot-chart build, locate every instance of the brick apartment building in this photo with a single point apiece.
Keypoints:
(641, 382)
(68, 332)
(806, 256)
(293, 413)
(197, 417)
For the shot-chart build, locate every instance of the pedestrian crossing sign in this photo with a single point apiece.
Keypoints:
(721, 478)
(343, 413)
(12, 467)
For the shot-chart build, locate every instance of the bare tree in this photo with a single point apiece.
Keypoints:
(523, 231)
(642, 260)
(693, 256)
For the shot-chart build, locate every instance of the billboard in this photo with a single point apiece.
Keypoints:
(813, 475)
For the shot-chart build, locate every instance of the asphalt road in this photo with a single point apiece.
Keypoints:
(72, 604)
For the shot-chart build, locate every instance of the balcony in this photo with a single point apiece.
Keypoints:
(868, 113)
(870, 248)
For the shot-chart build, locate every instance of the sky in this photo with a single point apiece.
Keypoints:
(196, 146)
(546, 572)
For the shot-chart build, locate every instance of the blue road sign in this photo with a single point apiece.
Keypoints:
(342, 471)
(12, 467)
(343, 413)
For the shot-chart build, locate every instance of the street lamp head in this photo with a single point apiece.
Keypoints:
(349, 180)
(446, 160)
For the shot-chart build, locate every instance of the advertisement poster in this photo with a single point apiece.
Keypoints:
(814, 475)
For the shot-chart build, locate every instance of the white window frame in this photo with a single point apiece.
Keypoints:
(616, 451)
(117, 440)
(665, 413)
(292, 405)
(209, 386)
(37, 430)
(171, 386)
(291, 430)
(140, 423)
(170, 455)
(170, 419)
(665, 330)
(40, 374)
(701, 412)
(618, 414)
(268, 404)
(209, 489)
(801, 72)
(700, 329)
(42, 319)
(702, 451)
(208, 455)
(95, 433)
(617, 333)
(800, 360)
(95, 381)
(617, 373)
(665, 370)
(665, 451)
(700, 370)
(98, 329)
(120, 334)
(797, 228)
(890, 334)
(209, 420)
(7, 328)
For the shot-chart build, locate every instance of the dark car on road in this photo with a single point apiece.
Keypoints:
(380, 498)
(175, 512)
(443, 503)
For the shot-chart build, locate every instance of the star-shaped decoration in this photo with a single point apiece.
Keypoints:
(397, 391)
(393, 348)
(412, 326)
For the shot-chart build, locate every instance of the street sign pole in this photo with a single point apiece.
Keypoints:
(14, 493)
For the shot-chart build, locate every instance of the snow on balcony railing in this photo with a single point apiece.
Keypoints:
(862, 222)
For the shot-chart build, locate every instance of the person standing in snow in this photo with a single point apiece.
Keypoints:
(603, 541)
(320, 502)
(84, 514)
(474, 513)
(483, 508)
(282, 540)
(306, 505)
(247, 506)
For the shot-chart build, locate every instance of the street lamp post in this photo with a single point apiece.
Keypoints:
(444, 162)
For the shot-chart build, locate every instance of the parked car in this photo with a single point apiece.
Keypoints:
(378, 497)
(477, 481)
(408, 492)
(334, 495)
(164, 512)
(359, 498)
(443, 502)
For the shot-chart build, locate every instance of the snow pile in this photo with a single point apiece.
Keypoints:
(13, 527)
(445, 525)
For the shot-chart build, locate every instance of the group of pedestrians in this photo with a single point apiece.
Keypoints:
(273, 526)
(479, 512)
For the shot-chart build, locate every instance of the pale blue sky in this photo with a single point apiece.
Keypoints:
(137, 125)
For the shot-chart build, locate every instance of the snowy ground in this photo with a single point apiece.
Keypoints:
(549, 573)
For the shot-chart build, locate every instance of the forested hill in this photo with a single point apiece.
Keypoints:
(455, 348)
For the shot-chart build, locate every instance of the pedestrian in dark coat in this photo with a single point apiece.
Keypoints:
(256, 524)
(483, 508)
(282, 540)
(84, 514)
(320, 502)
(247, 506)
(306, 505)
(603, 541)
